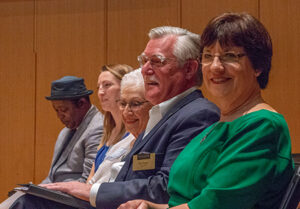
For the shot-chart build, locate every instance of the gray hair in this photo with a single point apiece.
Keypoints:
(133, 79)
(186, 47)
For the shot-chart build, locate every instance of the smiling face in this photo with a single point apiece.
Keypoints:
(70, 115)
(235, 81)
(135, 117)
(108, 91)
(168, 80)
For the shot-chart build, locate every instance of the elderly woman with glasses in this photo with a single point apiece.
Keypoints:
(135, 108)
(244, 160)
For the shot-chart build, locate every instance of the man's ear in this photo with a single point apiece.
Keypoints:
(191, 68)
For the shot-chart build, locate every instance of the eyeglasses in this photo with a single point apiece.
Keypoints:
(156, 60)
(133, 105)
(226, 58)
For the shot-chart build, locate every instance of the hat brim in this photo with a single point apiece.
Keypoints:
(69, 97)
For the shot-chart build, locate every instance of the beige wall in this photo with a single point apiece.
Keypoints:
(43, 40)
(17, 93)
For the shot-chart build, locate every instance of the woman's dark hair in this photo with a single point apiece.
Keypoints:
(242, 30)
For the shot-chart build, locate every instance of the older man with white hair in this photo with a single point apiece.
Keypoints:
(172, 75)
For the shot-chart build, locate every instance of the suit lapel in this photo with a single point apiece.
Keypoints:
(65, 137)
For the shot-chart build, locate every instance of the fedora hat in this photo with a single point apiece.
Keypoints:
(68, 87)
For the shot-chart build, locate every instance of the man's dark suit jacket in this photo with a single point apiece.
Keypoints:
(186, 119)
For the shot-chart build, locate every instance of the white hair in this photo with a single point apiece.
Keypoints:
(133, 79)
(187, 45)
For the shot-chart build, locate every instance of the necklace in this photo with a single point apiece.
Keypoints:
(214, 126)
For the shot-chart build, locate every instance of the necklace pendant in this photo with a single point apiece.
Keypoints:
(214, 126)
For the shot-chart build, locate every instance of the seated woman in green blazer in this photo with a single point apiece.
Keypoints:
(244, 160)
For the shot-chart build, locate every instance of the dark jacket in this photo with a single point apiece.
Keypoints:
(186, 119)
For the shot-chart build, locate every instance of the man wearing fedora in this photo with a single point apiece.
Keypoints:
(76, 145)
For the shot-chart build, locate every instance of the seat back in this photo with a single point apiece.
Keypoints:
(291, 198)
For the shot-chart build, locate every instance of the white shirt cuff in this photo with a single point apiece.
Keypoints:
(93, 193)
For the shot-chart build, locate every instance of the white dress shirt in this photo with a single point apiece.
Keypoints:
(158, 111)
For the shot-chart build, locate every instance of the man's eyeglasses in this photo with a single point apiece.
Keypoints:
(226, 58)
(155, 60)
(132, 105)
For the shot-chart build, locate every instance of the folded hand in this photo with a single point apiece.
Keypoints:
(142, 204)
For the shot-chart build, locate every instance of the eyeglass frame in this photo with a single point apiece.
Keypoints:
(234, 59)
(153, 64)
(130, 105)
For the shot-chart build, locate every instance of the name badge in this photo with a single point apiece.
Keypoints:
(143, 161)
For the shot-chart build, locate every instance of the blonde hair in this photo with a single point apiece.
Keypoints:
(118, 70)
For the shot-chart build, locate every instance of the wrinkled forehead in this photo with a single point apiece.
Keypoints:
(131, 92)
(161, 46)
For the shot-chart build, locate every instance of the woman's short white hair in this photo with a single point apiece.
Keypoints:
(187, 45)
(134, 79)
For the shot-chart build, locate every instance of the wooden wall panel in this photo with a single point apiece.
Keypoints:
(282, 19)
(17, 90)
(43, 40)
(70, 41)
(128, 23)
(196, 14)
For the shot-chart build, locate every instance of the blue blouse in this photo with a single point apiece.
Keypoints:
(102, 153)
(100, 156)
